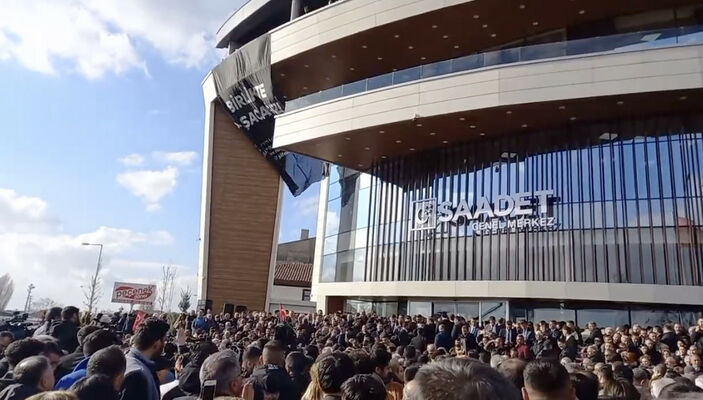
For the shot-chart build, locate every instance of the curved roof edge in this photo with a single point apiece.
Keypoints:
(239, 18)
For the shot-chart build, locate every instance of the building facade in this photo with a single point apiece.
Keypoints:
(501, 157)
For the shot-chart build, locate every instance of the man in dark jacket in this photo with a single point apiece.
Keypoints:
(51, 318)
(69, 362)
(15, 353)
(443, 338)
(140, 381)
(594, 333)
(669, 337)
(32, 375)
(543, 346)
(97, 340)
(66, 331)
(273, 369)
(509, 333)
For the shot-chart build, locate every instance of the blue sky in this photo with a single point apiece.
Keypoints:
(71, 113)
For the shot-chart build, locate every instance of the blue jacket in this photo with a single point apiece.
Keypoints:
(79, 372)
(140, 380)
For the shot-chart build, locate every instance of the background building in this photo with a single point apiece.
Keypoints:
(496, 157)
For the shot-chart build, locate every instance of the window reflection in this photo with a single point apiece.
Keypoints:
(613, 225)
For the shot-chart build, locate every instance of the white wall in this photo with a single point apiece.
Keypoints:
(291, 298)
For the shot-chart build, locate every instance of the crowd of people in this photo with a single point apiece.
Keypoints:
(345, 356)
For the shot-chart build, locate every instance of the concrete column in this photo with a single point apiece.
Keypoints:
(296, 9)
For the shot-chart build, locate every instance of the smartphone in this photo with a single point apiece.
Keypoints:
(207, 392)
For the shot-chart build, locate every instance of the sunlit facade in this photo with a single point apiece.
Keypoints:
(506, 158)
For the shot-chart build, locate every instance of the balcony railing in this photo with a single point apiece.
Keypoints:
(612, 43)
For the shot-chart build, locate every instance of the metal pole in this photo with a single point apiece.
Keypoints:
(295, 9)
(29, 297)
(95, 281)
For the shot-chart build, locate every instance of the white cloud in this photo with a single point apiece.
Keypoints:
(305, 206)
(98, 37)
(132, 160)
(178, 157)
(150, 185)
(22, 213)
(56, 263)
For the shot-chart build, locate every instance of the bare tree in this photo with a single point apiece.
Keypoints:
(7, 287)
(168, 275)
(184, 303)
(92, 291)
(44, 303)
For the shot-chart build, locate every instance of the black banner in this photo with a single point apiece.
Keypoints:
(243, 82)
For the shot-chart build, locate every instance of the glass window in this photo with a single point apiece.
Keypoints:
(359, 265)
(331, 93)
(467, 309)
(492, 309)
(467, 63)
(551, 314)
(380, 81)
(329, 268)
(423, 308)
(653, 317)
(434, 69)
(386, 309)
(406, 75)
(354, 87)
(447, 308)
(602, 317)
(345, 266)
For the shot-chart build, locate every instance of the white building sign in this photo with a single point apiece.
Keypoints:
(519, 212)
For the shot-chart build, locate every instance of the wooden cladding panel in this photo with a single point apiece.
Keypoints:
(244, 198)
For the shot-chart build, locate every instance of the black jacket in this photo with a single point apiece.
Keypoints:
(67, 363)
(66, 333)
(18, 391)
(669, 339)
(418, 341)
(444, 339)
(260, 376)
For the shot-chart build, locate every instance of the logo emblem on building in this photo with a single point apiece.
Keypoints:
(424, 214)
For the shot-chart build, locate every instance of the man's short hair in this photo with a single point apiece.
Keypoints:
(85, 331)
(512, 370)
(585, 384)
(95, 387)
(21, 349)
(30, 370)
(97, 340)
(362, 362)
(222, 367)
(410, 372)
(7, 334)
(68, 312)
(546, 377)
(149, 332)
(640, 374)
(363, 387)
(380, 356)
(52, 313)
(461, 378)
(297, 362)
(109, 361)
(333, 370)
(274, 353)
(252, 353)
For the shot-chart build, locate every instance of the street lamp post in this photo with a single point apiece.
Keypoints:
(94, 280)
(28, 302)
